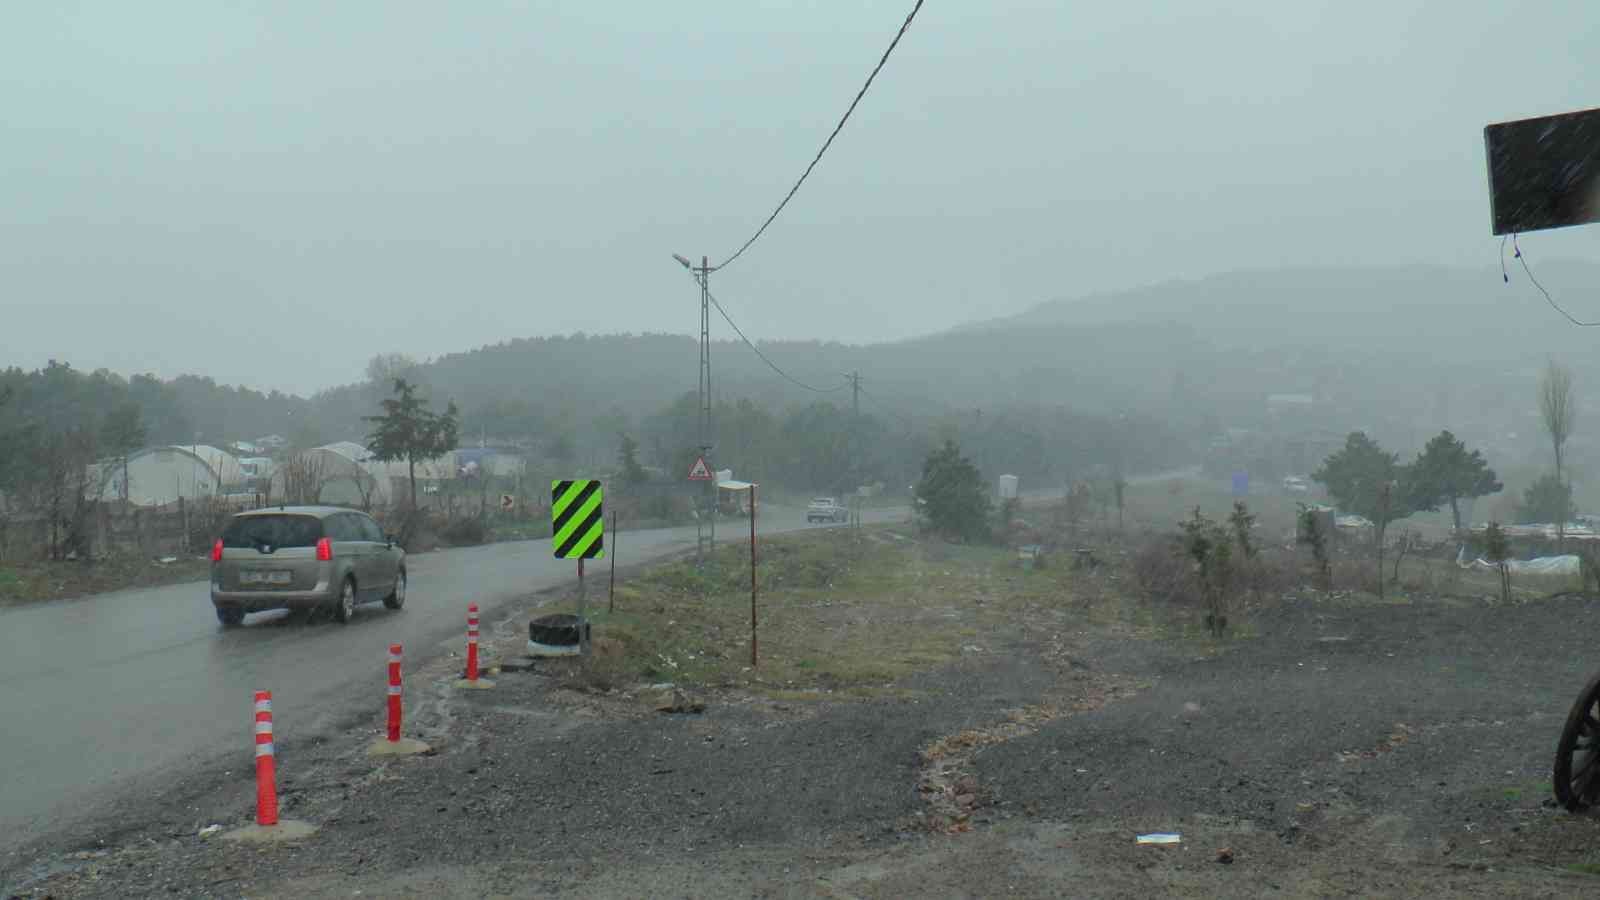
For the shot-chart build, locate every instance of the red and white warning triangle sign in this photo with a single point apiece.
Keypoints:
(699, 471)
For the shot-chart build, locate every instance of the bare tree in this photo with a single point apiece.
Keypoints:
(303, 477)
(1558, 408)
(123, 432)
(366, 486)
(63, 463)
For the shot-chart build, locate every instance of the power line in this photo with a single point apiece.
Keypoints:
(770, 364)
(1548, 299)
(825, 144)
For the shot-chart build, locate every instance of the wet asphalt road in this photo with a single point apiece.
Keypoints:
(105, 694)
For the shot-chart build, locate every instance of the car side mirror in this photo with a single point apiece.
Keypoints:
(391, 539)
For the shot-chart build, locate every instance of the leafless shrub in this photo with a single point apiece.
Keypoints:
(1163, 572)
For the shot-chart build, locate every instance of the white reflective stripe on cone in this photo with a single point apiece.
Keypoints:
(263, 728)
(394, 657)
(394, 690)
(263, 749)
(263, 706)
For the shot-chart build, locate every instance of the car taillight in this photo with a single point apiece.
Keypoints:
(324, 550)
(216, 551)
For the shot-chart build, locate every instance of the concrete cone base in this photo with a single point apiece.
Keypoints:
(482, 684)
(403, 747)
(285, 830)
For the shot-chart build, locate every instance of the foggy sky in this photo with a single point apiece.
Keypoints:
(272, 193)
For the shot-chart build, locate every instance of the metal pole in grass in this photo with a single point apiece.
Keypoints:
(611, 593)
(583, 620)
(752, 576)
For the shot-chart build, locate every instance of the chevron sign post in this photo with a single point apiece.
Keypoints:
(576, 521)
(577, 529)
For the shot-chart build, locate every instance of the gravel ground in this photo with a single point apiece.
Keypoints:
(1343, 750)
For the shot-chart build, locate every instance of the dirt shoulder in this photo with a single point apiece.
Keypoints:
(933, 721)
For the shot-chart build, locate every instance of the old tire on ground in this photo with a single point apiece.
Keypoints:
(344, 607)
(559, 630)
(397, 597)
(1577, 771)
(230, 617)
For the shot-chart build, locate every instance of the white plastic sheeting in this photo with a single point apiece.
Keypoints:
(1544, 565)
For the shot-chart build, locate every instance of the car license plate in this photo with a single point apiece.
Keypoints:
(265, 577)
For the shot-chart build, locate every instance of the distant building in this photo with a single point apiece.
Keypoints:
(257, 471)
(161, 475)
(474, 461)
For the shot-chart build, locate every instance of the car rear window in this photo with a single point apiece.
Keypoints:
(274, 531)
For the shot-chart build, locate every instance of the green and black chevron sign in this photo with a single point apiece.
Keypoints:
(576, 520)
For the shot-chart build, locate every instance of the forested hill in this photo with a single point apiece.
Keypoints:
(1193, 352)
(1396, 350)
(1104, 368)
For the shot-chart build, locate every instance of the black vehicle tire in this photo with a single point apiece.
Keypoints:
(344, 606)
(230, 617)
(397, 597)
(1577, 770)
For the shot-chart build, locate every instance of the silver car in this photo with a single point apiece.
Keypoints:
(304, 557)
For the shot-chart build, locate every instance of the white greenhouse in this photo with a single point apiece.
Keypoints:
(161, 475)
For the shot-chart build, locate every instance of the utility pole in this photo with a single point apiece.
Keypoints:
(854, 446)
(705, 525)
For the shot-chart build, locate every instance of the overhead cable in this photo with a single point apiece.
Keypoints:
(1547, 298)
(825, 144)
(770, 364)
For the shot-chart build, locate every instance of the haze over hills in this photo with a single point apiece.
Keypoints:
(1234, 337)
(1457, 315)
(1204, 353)
(1200, 356)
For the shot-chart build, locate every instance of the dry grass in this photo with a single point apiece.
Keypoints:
(840, 613)
(1161, 505)
(35, 580)
(847, 613)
